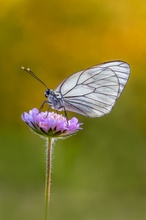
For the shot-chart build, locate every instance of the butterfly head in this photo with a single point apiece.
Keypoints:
(50, 94)
(47, 93)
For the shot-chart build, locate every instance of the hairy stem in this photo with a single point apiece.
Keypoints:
(48, 176)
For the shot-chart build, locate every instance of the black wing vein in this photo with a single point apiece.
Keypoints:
(94, 91)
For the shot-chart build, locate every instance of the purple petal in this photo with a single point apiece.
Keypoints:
(50, 123)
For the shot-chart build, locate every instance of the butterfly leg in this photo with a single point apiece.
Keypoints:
(40, 109)
(65, 113)
(48, 111)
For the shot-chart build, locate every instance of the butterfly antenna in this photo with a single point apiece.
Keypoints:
(32, 74)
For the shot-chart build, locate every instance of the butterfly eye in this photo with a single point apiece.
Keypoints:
(47, 93)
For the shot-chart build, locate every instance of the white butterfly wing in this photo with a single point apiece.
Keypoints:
(122, 71)
(94, 91)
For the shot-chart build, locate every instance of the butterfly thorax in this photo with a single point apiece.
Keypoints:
(55, 99)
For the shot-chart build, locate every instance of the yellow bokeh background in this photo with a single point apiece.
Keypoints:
(100, 173)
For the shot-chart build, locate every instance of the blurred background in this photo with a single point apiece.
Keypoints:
(100, 173)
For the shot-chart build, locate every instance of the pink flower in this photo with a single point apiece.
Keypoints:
(50, 124)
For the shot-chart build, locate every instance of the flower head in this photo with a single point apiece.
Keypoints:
(50, 124)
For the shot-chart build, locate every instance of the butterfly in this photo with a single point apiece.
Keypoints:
(91, 92)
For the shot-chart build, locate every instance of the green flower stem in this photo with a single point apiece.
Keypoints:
(48, 176)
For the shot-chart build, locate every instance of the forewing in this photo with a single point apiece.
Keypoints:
(122, 71)
(94, 91)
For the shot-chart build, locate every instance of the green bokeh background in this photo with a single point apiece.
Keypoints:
(100, 173)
